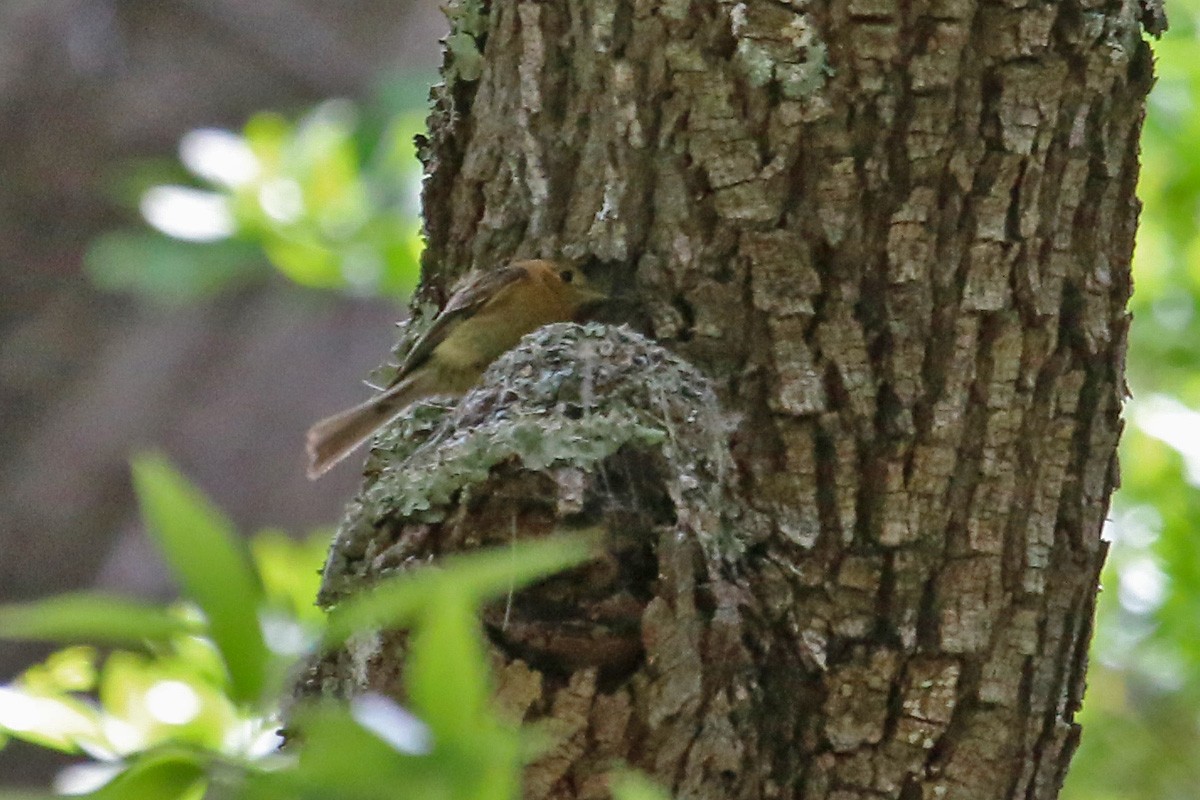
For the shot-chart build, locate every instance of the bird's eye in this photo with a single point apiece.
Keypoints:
(567, 275)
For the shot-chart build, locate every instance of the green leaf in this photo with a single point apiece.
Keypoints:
(291, 570)
(446, 674)
(340, 758)
(91, 617)
(212, 566)
(158, 777)
(631, 785)
(162, 701)
(303, 258)
(449, 684)
(167, 270)
(72, 669)
(397, 601)
(56, 721)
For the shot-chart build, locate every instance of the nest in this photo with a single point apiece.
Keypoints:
(579, 426)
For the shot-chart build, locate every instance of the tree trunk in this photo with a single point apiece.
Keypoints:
(895, 238)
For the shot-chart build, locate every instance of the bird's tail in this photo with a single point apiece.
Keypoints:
(335, 437)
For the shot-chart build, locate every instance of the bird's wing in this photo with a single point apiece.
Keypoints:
(473, 295)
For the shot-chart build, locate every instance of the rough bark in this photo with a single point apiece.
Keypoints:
(896, 238)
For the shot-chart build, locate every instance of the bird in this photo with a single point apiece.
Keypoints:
(486, 316)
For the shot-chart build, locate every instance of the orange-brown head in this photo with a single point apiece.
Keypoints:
(561, 286)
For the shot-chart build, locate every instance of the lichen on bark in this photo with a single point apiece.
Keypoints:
(564, 403)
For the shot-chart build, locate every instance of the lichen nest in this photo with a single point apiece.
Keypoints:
(567, 395)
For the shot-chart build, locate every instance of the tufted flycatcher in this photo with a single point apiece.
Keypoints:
(487, 315)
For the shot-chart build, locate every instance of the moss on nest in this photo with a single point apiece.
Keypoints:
(567, 395)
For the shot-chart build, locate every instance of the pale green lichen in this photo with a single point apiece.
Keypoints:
(567, 396)
(428, 478)
(468, 23)
(466, 16)
(797, 81)
(757, 62)
(779, 44)
(464, 61)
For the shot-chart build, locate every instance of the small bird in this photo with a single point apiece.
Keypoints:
(486, 316)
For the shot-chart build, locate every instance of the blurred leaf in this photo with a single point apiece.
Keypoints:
(446, 671)
(165, 701)
(376, 769)
(303, 259)
(483, 766)
(212, 566)
(330, 200)
(49, 719)
(201, 655)
(329, 168)
(169, 270)
(157, 777)
(91, 617)
(476, 577)
(398, 99)
(631, 785)
(72, 669)
(291, 570)
(267, 134)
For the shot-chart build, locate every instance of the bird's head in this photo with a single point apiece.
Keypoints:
(566, 281)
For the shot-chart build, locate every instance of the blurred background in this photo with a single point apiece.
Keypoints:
(207, 230)
(208, 224)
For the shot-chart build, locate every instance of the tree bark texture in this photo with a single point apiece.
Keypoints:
(895, 238)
